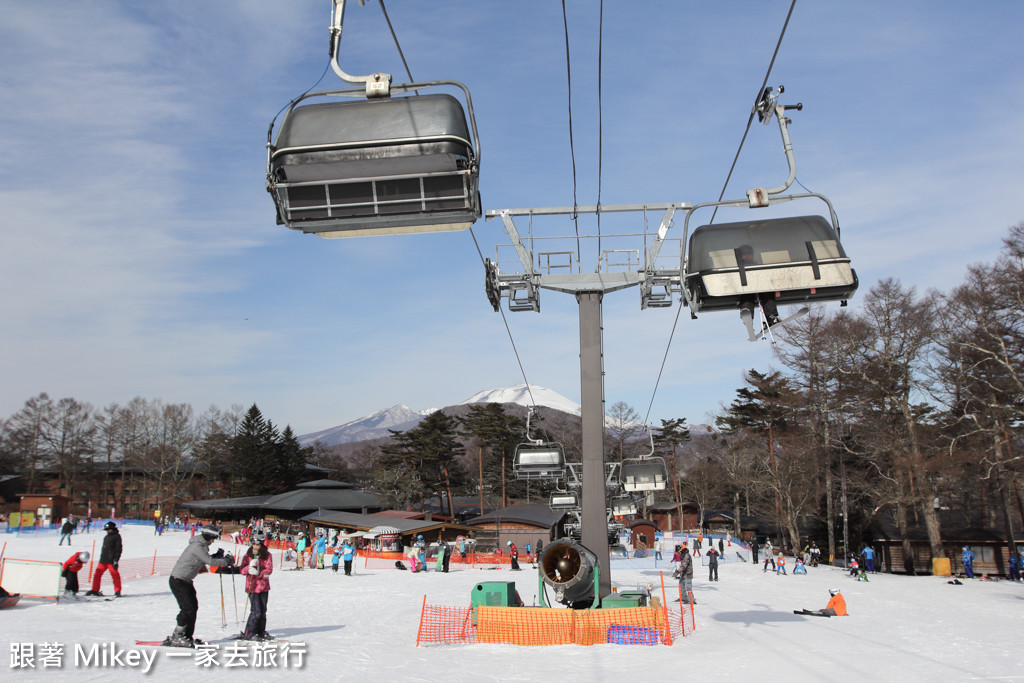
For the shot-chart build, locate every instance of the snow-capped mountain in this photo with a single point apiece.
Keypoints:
(519, 394)
(372, 426)
(401, 418)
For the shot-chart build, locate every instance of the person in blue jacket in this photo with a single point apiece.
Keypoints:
(1014, 567)
(320, 548)
(869, 559)
(968, 559)
(348, 553)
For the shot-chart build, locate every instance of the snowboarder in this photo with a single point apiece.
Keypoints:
(513, 553)
(69, 570)
(300, 550)
(109, 556)
(685, 572)
(257, 566)
(66, 530)
(193, 560)
(836, 606)
(712, 564)
(968, 559)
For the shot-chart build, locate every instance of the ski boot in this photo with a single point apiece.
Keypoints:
(93, 593)
(179, 639)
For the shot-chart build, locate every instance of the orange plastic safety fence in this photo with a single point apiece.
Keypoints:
(141, 567)
(547, 626)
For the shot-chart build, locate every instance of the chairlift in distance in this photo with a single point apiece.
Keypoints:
(564, 500)
(538, 460)
(379, 165)
(624, 505)
(792, 260)
(646, 473)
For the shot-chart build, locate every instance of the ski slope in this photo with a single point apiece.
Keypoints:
(364, 627)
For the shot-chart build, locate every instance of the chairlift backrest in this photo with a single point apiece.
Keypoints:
(393, 165)
(796, 259)
(624, 505)
(564, 500)
(539, 461)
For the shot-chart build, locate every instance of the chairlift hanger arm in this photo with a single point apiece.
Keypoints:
(378, 84)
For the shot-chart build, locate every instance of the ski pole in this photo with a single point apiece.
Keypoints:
(223, 613)
(234, 592)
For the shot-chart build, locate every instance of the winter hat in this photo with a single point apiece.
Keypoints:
(83, 556)
(259, 536)
(110, 526)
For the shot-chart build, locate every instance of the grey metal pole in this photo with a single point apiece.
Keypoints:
(595, 506)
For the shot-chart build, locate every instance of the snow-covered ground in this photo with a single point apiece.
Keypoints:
(364, 627)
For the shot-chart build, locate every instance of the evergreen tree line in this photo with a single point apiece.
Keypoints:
(155, 448)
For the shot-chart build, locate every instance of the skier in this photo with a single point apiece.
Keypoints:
(109, 556)
(968, 559)
(836, 606)
(420, 547)
(513, 553)
(815, 554)
(69, 570)
(189, 564)
(320, 549)
(686, 574)
(769, 556)
(869, 559)
(257, 566)
(799, 568)
(712, 564)
(447, 550)
(66, 530)
(348, 553)
(781, 565)
(697, 544)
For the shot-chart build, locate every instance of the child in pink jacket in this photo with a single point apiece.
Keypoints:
(257, 566)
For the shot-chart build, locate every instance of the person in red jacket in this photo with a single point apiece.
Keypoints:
(69, 570)
(513, 553)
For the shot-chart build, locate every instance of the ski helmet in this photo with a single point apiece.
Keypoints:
(110, 526)
(83, 556)
(508, 542)
(833, 591)
(259, 537)
(210, 532)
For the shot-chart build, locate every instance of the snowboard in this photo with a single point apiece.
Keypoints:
(10, 601)
(439, 565)
(810, 613)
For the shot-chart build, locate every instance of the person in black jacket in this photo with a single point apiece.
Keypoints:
(685, 570)
(66, 530)
(110, 554)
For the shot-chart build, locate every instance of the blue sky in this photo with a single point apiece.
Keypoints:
(139, 254)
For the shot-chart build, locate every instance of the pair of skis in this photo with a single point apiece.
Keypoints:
(766, 329)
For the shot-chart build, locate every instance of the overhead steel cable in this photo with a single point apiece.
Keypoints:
(750, 120)
(572, 151)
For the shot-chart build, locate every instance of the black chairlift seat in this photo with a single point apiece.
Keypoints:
(643, 474)
(795, 260)
(375, 167)
(539, 462)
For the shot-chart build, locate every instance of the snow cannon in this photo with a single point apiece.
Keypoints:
(572, 571)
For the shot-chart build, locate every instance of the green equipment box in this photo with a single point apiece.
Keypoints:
(493, 594)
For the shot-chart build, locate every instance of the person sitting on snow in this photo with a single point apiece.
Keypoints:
(854, 566)
(836, 606)
(799, 568)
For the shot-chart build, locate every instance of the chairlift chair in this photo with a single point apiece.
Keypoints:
(564, 500)
(643, 474)
(382, 166)
(794, 260)
(624, 505)
(539, 461)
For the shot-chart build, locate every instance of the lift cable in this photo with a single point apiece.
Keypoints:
(572, 151)
(395, 38)
(753, 110)
(508, 329)
(750, 120)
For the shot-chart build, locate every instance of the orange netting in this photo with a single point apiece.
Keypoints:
(552, 626)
